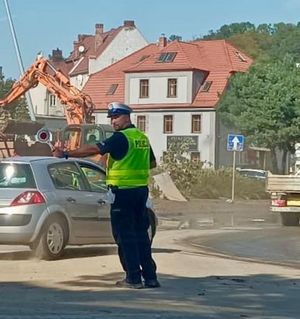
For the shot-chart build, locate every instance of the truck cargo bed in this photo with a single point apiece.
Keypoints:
(283, 183)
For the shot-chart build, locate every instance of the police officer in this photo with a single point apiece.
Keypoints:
(130, 158)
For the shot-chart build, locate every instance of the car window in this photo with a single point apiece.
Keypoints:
(92, 136)
(66, 176)
(95, 177)
(253, 174)
(16, 176)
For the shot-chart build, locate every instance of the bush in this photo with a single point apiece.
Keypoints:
(193, 181)
(218, 183)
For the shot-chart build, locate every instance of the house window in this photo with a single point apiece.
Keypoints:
(196, 123)
(144, 89)
(141, 122)
(240, 56)
(206, 86)
(166, 57)
(195, 157)
(172, 87)
(52, 100)
(168, 124)
(112, 89)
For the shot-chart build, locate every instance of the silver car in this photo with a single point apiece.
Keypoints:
(48, 203)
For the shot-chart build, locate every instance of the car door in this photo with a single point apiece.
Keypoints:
(82, 206)
(96, 179)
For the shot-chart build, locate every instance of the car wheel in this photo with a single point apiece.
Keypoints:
(289, 219)
(153, 224)
(52, 240)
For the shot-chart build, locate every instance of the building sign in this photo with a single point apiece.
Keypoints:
(190, 140)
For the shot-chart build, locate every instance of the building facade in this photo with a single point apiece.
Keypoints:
(90, 54)
(173, 88)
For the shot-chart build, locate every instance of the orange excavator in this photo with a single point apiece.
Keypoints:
(78, 106)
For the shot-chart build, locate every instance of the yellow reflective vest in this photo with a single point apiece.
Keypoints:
(132, 170)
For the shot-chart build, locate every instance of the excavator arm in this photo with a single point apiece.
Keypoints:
(78, 106)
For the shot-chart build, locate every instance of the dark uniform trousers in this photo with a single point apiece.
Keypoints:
(130, 222)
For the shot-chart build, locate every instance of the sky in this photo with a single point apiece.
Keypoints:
(44, 25)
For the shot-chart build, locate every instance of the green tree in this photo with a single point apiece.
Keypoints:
(226, 31)
(266, 42)
(181, 169)
(174, 37)
(285, 39)
(18, 109)
(264, 104)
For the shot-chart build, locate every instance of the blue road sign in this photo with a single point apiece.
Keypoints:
(235, 142)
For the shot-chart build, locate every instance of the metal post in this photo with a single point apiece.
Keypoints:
(21, 66)
(233, 176)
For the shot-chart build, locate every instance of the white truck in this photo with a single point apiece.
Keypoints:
(285, 197)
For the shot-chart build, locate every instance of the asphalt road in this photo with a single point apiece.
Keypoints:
(194, 285)
(278, 245)
(221, 265)
(246, 230)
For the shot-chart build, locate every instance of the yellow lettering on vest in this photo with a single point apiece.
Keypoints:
(141, 143)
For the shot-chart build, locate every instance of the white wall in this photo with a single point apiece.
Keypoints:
(38, 97)
(158, 87)
(126, 42)
(79, 80)
(181, 126)
(40, 101)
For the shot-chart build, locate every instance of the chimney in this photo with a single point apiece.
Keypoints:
(81, 37)
(129, 24)
(162, 42)
(98, 35)
(57, 55)
(99, 28)
(75, 49)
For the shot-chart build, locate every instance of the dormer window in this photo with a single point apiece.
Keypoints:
(112, 89)
(166, 57)
(240, 56)
(206, 86)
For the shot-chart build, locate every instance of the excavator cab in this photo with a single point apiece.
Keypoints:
(75, 135)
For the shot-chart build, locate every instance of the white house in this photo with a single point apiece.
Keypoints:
(173, 88)
(90, 54)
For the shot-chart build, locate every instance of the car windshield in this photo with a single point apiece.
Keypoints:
(252, 173)
(16, 176)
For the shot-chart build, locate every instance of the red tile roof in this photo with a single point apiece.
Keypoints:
(93, 45)
(219, 58)
(62, 66)
(91, 49)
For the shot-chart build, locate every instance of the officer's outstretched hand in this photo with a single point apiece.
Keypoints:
(58, 152)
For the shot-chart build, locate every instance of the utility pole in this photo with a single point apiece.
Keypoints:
(21, 66)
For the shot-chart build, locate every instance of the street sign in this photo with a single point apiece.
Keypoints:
(235, 142)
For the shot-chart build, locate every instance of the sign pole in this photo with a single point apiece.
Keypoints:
(233, 176)
(235, 143)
